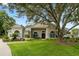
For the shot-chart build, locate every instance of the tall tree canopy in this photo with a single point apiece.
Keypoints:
(5, 22)
(58, 14)
(75, 32)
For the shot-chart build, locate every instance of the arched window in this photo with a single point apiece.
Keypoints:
(17, 33)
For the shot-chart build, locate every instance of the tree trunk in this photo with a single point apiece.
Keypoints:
(60, 36)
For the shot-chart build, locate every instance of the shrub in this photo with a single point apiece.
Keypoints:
(6, 38)
(76, 39)
(27, 36)
(51, 38)
(66, 37)
(71, 39)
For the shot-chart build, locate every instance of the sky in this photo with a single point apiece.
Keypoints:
(21, 20)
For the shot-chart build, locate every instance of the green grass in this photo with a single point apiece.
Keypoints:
(43, 48)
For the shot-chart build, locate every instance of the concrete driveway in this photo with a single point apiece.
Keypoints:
(4, 49)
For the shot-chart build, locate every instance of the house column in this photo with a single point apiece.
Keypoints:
(47, 33)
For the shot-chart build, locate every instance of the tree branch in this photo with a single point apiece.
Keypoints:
(73, 27)
(68, 17)
(50, 13)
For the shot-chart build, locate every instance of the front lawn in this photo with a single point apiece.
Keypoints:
(43, 48)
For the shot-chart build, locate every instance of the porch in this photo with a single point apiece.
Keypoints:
(38, 32)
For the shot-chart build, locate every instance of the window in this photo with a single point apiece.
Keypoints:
(52, 34)
(35, 34)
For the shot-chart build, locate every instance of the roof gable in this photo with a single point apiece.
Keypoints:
(37, 25)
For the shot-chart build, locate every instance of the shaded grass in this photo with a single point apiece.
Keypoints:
(43, 48)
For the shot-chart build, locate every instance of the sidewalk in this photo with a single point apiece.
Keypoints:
(4, 49)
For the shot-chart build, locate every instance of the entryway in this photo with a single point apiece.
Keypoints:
(43, 34)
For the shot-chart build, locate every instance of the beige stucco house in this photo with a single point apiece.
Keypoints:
(38, 30)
